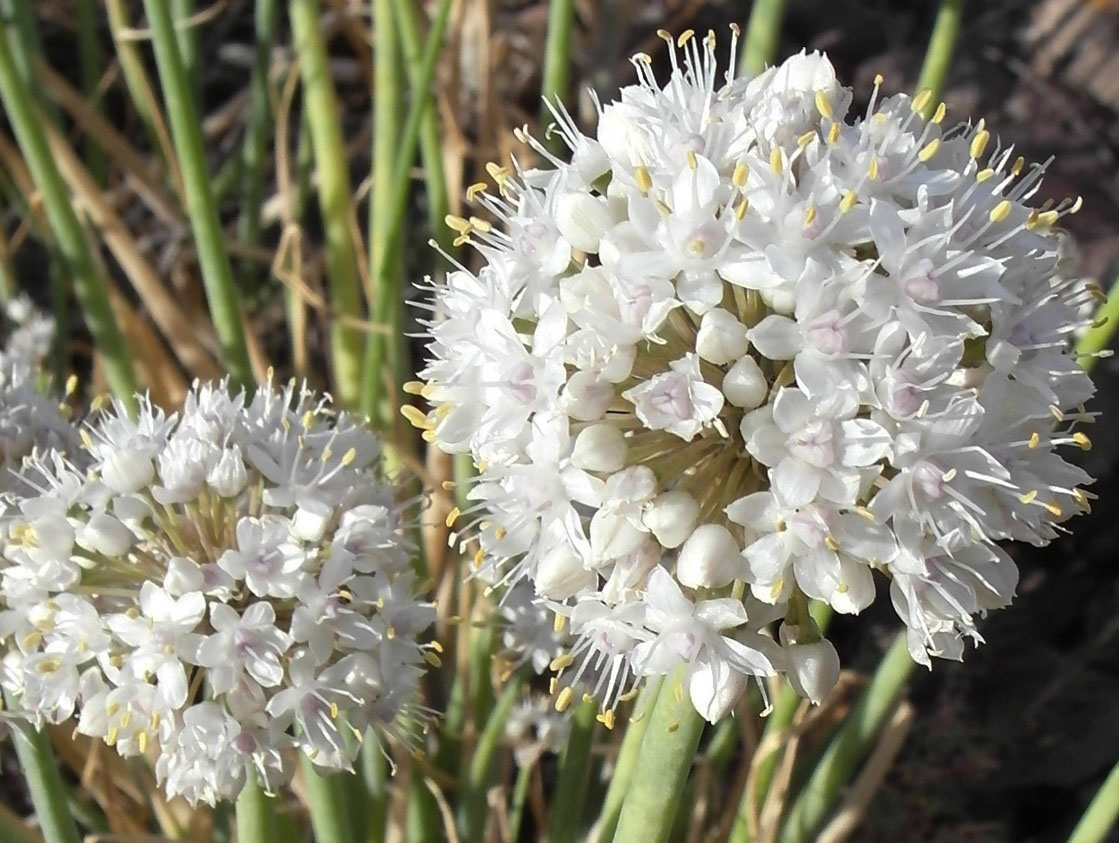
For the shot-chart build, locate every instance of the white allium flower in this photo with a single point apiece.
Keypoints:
(29, 420)
(215, 589)
(534, 728)
(745, 349)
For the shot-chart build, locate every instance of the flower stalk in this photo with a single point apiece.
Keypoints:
(763, 32)
(1102, 813)
(574, 776)
(256, 815)
(938, 58)
(44, 783)
(667, 751)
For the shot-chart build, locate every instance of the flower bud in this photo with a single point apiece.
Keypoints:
(125, 472)
(715, 690)
(744, 385)
(721, 337)
(310, 520)
(710, 558)
(587, 398)
(600, 447)
(582, 219)
(105, 534)
(560, 574)
(229, 476)
(813, 668)
(671, 517)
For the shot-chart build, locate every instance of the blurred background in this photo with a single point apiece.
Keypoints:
(1007, 747)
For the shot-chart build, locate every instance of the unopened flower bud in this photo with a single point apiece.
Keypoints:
(600, 447)
(671, 517)
(721, 337)
(582, 219)
(560, 574)
(744, 385)
(813, 668)
(710, 558)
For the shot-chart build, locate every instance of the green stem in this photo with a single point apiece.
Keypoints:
(520, 796)
(187, 38)
(326, 800)
(667, 751)
(89, 284)
(91, 61)
(556, 83)
(255, 155)
(44, 782)
(375, 774)
(849, 745)
(323, 114)
(938, 57)
(213, 257)
(627, 759)
(763, 31)
(372, 382)
(472, 805)
(256, 815)
(1104, 324)
(564, 821)
(1102, 814)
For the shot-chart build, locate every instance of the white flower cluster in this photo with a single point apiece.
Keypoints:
(219, 586)
(741, 351)
(29, 420)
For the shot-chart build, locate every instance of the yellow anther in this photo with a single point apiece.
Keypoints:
(559, 622)
(456, 223)
(1029, 497)
(142, 742)
(823, 104)
(111, 738)
(685, 36)
(390, 633)
(848, 201)
(1017, 166)
(672, 728)
(479, 557)
(415, 416)
(1001, 211)
(780, 526)
(71, 384)
(414, 387)
(432, 659)
(475, 189)
(678, 692)
(778, 587)
(865, 513)
(921, 101)
(479, 224)
(775, 162)
(664, 35)
(1035, 440)
(831, 543)
(810, 215)
(1082, 440)
(806, 138)
(428, 436)
(349, 456)
(448, 485)
(833, 134)
(87, 440)
(606, 718)
(872, 170)
(949, 475)
(929, 150)
(693, 162)
(938, 115)
(452, 516)
(436, 646)
(1047, 218)
(979, 143)
(742, 208)
(878, 79)
(1054, 509)
(500, 533)
(561, 661)
(126, 718)
(741, 173)
(563, 701)
(587, 698)
(842, 587)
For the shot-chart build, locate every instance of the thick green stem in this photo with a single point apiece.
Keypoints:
(326, 800)
(44, 783)
(666, 756)
(838, 763)
(210, 241)
(556, 83)
(565, 820)
(1098, 337)
(1102, 814)
(323, 113)
(473, 804)
(763, 32)
(89, 284)
(375, 775)
(938, 57)
(627, 759)
(256, 815)
(92, 62)
(186, 34)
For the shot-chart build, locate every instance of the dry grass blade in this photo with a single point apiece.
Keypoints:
(182, 333)
(870, 779)
(116, 786)
(154, 366)
(137, 169)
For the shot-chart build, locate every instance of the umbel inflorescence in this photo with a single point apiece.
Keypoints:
(215, 588)
(741, 350)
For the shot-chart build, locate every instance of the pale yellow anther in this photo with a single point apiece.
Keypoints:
(390, 633)
(1029, 497)
(455, 223)
(1077, 205)
(563, 701)
(742, 208)
(87, 441)
(806, 138)
(1082, 440)
(561, 661)
(111, 737)
(949, 475)
(500, 533)
(672, 728)
(433, 660)
(559, 622)
(979, 143)
(481, 225)
(587, 698)
(606, 718)
(1054, 509)
(740, 174)
(1035, 440)
(1047, 218)
(479, 557)
(71, 384)
(865, 513)
(778, 587)
(474, 190)
(428, 436)
(685, 36)
(810, 215)
(643, 179)
(1001, 211)
(1056, 412)
(848, 201)
(414, 387)
(349, 456)
(928, 150)
(938, 115)
(831, 543)
(775, 162)
(693, 162)
(878, 79)
(922, 100)
(1017, 166)
(779, 525)
(452, 516)
(664, 35)
(823, 104)
(415, 416)
(833, 134)
(447, 485)
(1031, 219)
(678, 692)
(872, 170)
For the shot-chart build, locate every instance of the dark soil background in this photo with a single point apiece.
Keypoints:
(1010, 745)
